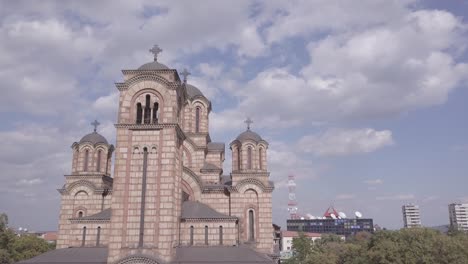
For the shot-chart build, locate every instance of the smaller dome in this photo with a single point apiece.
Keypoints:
(94, 138)
(153, 66)
(249, 135)
(193, 91)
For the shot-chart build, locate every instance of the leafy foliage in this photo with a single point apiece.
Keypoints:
(406, 246)
(14, 248)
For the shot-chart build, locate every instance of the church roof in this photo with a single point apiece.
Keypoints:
(154, 65)
(197, 210)
(249, 135)
(184, 255)
(103, 215)
(215, 146)
(94, 255)
(193, 91)
(94, 138)
(220, 254)
(209, 167)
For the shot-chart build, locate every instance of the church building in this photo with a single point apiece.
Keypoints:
(168, 200)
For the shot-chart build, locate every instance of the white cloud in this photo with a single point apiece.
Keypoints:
(339, 142)
(397, 197)
(345, 196)
(29, 182)
(107, 105)
(374, 182)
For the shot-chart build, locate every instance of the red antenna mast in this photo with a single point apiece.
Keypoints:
(292, 203)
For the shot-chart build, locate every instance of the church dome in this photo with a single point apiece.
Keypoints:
(94, 138)
(249, 135)
(193, 91)
(154, 65)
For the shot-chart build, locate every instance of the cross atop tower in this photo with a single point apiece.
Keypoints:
(248, 121)
(155, 50)
(185, 73)
(95, 124)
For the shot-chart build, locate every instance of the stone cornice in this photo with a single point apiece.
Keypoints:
(250, 173)
(158, 126)
(78, 220)
(224, 219)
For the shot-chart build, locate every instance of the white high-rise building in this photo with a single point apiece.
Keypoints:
(411, 216)
(458, 214)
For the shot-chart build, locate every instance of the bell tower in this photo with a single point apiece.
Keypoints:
(147, 192)
(252, 195)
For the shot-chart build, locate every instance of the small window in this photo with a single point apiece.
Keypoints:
(251, 226)
(249, 158)
(139, 114)
(83, 240)
(260, 159)
(206, 235)
(98, 236)
(147, 110)
(220, 235)
(98, 165)
(86, 159)
(80, 214)
(238, 158)
(191, 235)
(155, 113)
(197, 120)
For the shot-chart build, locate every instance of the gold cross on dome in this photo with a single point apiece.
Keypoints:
(95, 124)
(155, 50)
(248, 121)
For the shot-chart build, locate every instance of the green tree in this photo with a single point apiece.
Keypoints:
(14, 248)
(28, 246)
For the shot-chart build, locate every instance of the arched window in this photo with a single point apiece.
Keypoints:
(98, 165)
(80, 214)
(249, 158)
(139, 114)
(191, 235)
(206, 235)
(155, 113)
(238, 158)
(260, 158)
(251, 226)
(83, 239)
(220, 235)
(197, 120)
(86, 158)
(147, 110)
(98, 237)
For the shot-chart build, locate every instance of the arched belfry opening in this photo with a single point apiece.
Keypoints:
(148, 111)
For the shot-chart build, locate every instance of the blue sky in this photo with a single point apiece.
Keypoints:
(364, 103)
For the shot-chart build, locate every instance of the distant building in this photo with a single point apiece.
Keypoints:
(288, 236)
(287, 241)
(345, 226)
(411, 215)
(458, 214)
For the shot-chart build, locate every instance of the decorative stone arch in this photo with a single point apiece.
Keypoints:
(186, 154)
(250, 183)
(188, 190)
(79, 209)
(148, 77)
(77, 186)
(140, 259)
(194, 182)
